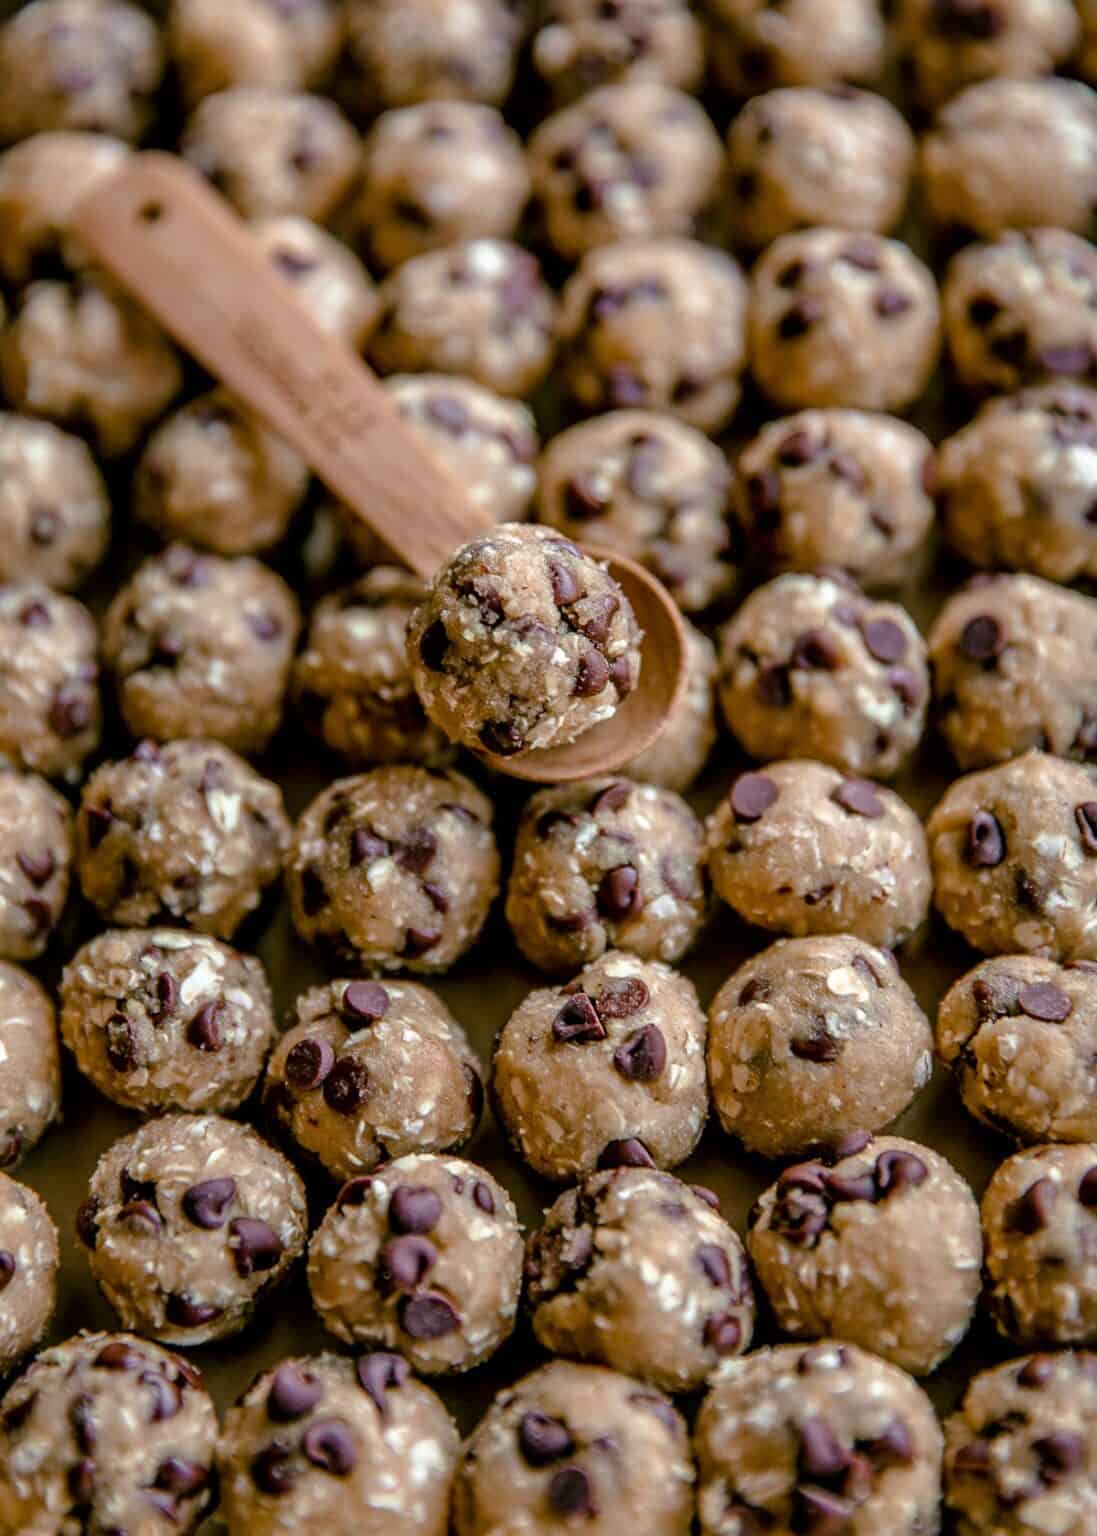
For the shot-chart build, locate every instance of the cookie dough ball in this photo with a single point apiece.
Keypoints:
(408, 51)
(806, 42)
(29, 1260)
(216, 44)
(367, 1072)
(50, 714)
(54, 509)
(435, 174)
(523, 641)
(326, 275)
(41, 182)
(78, 64)
(653, 489)
(604, 1072)
(107, 1432)
(185, 833)
(576, 1443)
(202, 646)
(424, 1257)
(639, 1272)
(30, 1065)
(581, 44)
(848, 489)
(840, 1248)
(628, 161)
(810, 665)
(273, 151)
(1013, 154)
(479, 308)
(1014, 852)
(944, 47)
(803, 156)
(677, 756)
(351, 1447)
(657, 323)
(826, 1438)
(35, 863)
(189, 1221)
(394, 870)
(843, 319)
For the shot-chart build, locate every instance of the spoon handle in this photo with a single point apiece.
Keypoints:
(177, 245)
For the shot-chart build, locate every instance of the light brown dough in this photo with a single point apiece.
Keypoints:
(326, 275)
(677, 756)
(805, 42)
(50, 717)
(406, 51)
(55, 515)
(29, 1261)
(41, 181)
(581, 44)
(215, 44)
(35, 863)
(30, 1064)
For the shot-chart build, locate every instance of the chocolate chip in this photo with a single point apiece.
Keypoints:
(255, 1245)
(427, 1316)
(583, 499)
(1070, 358)
(405, 1262)
(982, 638)
(38, 867)
(578, 1021)
(44, 526)
(822, 1455)
(180, 1476)
(330, 1445)
(1061, 1453)
(714, 1264)
(752, 794)
(142, 1215)
(205, 1031)
(723, 1333)
(543, 1439)
(860, 797)
(166, 997)
(1087, 1190)
(1036, 1372)
(818, 1512)
(986, 842)
(851, 1188)
(796, 449)
(601, 610)
(893, 1448)
(819, 1045)
(8, 1267)
(773, 686)
(354, 1192)
(613, 798)
(365, 847)
(643, 1057)
(118, 1355)
(184, 1312)
(853, 1141)
(417, 851)
(364, 1002)
(619, 894)
(380, 1373)
(816, 651)
(885, 639)
(798, 319)
(626, 1153)
(570, 1492)
(293, 1393)
(273, 1471)
(433, 645)
(346, 1086)
(1031, 1212)
(414, 1208)
(621, 998)
(889, 302)
(1086, 817)
(972, 1459)
(501, 737)
(121, 1043)
(70, 712)
(81, 1481)
(207, 1204)
(565, 585)
(896, 1171)
(592, 673)
(482, 1198)
(98, 822)
(1044, 1001)
(308, 1064)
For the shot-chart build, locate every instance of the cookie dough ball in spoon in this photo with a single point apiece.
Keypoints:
(215, 44)
(325, 274)
(42, 180)
(35, 863)
(54, 511)
(30, 1064)
(29, 1261)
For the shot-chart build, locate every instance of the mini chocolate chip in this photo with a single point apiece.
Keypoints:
(379, 1373)
(819, 1046)
(82, 1423)
(1086, 817)
(482, 1198)
(118, 1355)
(98, 822)
(182, 1477)
(626, 1153)
(330, 1445)
(1031, 1212)
(308, 1064)
(570, 1492)
(619, 894)
(81, 1481)
(364, 1002)
(39, 912)
(207, 1204)
(1061, 1453)
(885, 639)
(709, 1196)
(433, 645)
(255, 1245)
(986, 842)
(822, 1456)
(427, 1316)
(34, 615)
(166, 997)
(592, 673)
(972, 1459)
(723, 1333)
(293, 1393)
(860, 797)
(273, 1471)
(121, 1043)
(414, 1208)
(38, 867)
(851, 1188)
(44, 526)
(818, 1512)
(1044, 1001)
(70, 712)
(206, 1031)
(346, 1086)
(405, 1262)
(893, 1448)
(436, 896)
(643, 1056)
(714, 1264)
(752, 794)
(142, 1215)
(816, 651)
(543, 1439)
(889, 302)
(853, 1141)
(565, 586)
(365, 847)
(897, 1170)
(982, 638)
(621, 998)
(417, 851)
(1037, 1371)
(773, 687)
(613, 798)
(1087, 1189)
(796, 449)
(601, 610)
(1070, 358)
(503, 738)
(8, 1267)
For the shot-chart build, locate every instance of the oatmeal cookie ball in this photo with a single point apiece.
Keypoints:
(85, 356)
(607, 1071)
(215, 44)
(272, 151)
(160, 1018)
(42, 180)
(606, 864)
(326, 275)
(54, 510)
(407, 51)
(200, 645)
(1013, 154)
(435, 174)
(351, 1447)
(810, 1037)
(574, 1444)
(106, 1432)
(629, 161)
(810, 665)
(394, 870)
(367, 1072)
(425, 1257)
(840, 1247)
(656, 323)
(50, 715)
(1020, 1034)
(653, 489)
(826, 1438)
(1021, 1454)
(190, 1221)
(1014, 851)
(35, 863)
(945, 45)
(803, 42)
(78, 64)
(183, 833)
(478, 308)
(30, 1064)
(582, 44)
(842, 319)
(805, 155)
(846, 489)
(678, 755)
(29, 1261)
(522, 641)
(637, 1271)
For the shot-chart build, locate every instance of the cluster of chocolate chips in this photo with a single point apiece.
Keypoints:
(408, 1256)
(581, 1019)
(808, 1192)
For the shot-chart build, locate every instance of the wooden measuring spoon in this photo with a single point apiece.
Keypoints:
(178, 246)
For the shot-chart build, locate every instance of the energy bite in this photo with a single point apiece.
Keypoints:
(434, 174)
(405, 51)
(803, 156)
(628, 161)
(30, 1064)
(659, 324)
(29, 1261)
(394, 870)
(809, 665)
(650, 487)
(50, 716)
(189, 1223)
(606, 864)
(576, 1443)
(1014, 851)
(352, 1447)
(184, 833)
(581, 44)
(42, 179)
(637, 1271)
(106, 1432)
(522, 641)
(1013, 154)
(1020, 1034)
(808, 42)
(35, 863)
(367, 1072)
(159, 1018)
(605, 1072)
(479, 308)
(944, 47)
(677, 756)
(325, 274)
(424, 1257)
(1040, 1231)
(842, 319)
(54, 510)
(840, 1247)
(1021, 1454)
(812, 1036)
(823, 1439)
(215, 44)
